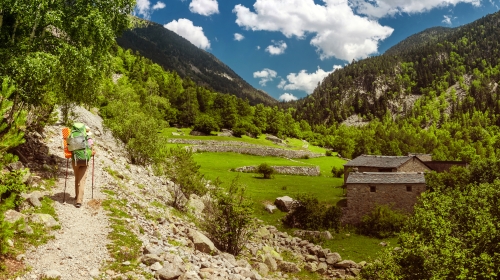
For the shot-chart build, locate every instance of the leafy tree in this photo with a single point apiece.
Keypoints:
(308, 213)
(266, 170)
(383, 222)
(206, 124)
(228, 217)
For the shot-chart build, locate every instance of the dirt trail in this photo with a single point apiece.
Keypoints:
(79, 248)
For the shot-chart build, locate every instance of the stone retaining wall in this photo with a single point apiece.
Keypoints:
(290, 170)
(242, 148)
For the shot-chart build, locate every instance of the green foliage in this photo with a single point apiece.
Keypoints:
(453, 234)
(308, 213)
(180, 167)
(266, 170)
(328, 153)
(206, 124)
(382, 222)
(228, 217)
(244, 127)
(6, 229)
(337, 171)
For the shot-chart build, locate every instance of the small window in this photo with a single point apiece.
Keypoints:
(408, 188)
(373, 189)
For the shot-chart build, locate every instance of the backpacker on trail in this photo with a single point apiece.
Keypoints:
(78, 144)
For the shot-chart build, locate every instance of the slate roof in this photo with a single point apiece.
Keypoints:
(386, 178)
(378, 161)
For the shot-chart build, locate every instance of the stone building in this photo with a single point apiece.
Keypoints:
(371, 163)
(365, 190)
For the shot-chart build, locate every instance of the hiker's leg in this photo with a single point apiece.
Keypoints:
(80, 177)
(76, 171)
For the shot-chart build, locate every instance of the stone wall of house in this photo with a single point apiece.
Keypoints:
(361, 201)
(413, 165)
(290, 170)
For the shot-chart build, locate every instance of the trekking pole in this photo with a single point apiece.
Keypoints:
(65, 180)
(92, 176)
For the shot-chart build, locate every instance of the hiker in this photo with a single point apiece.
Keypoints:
(80, 169)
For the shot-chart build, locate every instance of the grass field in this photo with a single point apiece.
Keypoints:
(261, 191)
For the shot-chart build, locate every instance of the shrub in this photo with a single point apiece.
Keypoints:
(337, 172)
(308, 213)
(181, 168)
(383, 222)
(243, 127)
(266, 170)
(228, 217)
(328, 153)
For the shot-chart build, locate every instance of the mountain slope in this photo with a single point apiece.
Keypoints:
(421, 39)
(459, 68)
(175, 53)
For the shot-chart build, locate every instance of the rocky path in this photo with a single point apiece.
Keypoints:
(79, 247)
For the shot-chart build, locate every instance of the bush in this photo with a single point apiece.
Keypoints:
(266, 170)
(383, 222)
(181, 168)
(228, 217)
(328, 153)
(244, 127)
(337, 172)
(308, 213)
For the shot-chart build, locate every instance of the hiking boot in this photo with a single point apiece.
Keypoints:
(78, 205)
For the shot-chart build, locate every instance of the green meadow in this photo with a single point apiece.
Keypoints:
(261, 191)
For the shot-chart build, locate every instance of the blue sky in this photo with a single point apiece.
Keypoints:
(285, 47)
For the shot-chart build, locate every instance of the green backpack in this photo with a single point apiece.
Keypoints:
(78, 143)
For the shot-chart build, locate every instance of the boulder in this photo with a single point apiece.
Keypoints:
(272, 252)
(45, 219)
(34, 198)
(274, 139)
(333, 258)
(263, 233)
(289, 267)
(270, 208)
(195, 204)
(52, 274)
(13, 216)
(270, 262)
(284, 203)
(153, 250)
(156, 266)
(150, 259)
(322, 268)
(346, 264)
(168, 272)
(312, 267)
(262, 268)
(190, 275)
(311, 258)
(201, 242)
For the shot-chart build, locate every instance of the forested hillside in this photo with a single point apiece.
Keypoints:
(175, 53)
(459, 67)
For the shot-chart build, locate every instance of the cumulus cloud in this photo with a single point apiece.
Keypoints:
(204, 7)
(382, 8)
(194, 34)
(306, 81)
(265, 75)
(282, 84)
(238, 37)
(276, 49)
(287, 97)
(143, 8)
(338, 32)
(159, 5)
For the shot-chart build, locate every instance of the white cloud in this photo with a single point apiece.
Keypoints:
(287, 97)
(143, 8)
(159, 5)
(194, 34)
(238, 37)
(446, 20)
(381, 8)
(338, 32)
(276, 49)
(305, 81)
(204, 7)
(282, 84)
(258, 47)
(266, 75)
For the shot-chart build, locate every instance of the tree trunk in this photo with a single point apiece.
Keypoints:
(1, 19)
